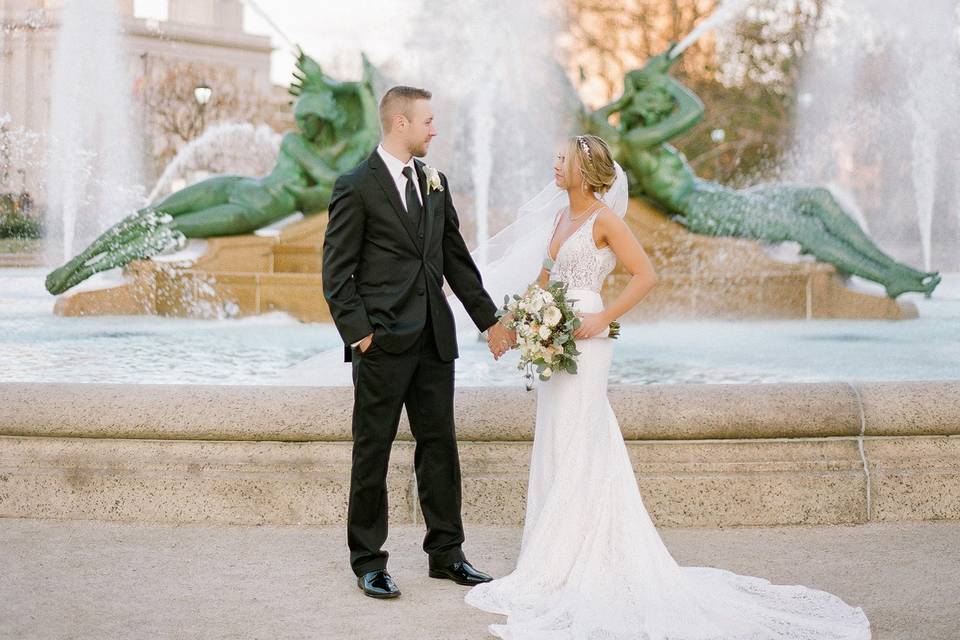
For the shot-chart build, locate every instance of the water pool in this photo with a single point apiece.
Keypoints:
(37, 346)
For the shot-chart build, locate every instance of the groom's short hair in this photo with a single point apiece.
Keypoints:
(397, 100)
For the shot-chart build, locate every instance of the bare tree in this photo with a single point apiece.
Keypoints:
(746, 74)
(610, 37)
(174, 115)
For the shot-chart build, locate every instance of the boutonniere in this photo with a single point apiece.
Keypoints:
(433, 179)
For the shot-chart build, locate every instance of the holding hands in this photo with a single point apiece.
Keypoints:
(500, 339)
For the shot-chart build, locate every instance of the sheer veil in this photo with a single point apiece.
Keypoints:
(516, 252)
(515, 255)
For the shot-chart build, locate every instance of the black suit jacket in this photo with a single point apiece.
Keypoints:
(383, 271)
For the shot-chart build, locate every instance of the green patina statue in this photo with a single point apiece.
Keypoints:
(655, 108)
(338, 127)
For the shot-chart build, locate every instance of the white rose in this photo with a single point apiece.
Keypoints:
(536, 303)
(433, 179)
(552, 316)
(546, 373)
(544, 331)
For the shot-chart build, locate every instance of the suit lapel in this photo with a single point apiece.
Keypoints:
(389, 187)
(427, 203)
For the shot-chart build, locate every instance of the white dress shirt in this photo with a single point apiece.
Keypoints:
(395, 167)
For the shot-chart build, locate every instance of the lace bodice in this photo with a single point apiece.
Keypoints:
(579, 262)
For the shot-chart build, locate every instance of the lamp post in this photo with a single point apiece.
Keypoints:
(202, 93)
(717, 136)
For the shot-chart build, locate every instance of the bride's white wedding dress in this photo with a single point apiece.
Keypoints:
(592, 565)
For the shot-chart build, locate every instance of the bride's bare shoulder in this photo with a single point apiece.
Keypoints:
(607, 219)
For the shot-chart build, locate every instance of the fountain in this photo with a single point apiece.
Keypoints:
(506, 127)
(93, 172)
(337, 127)
(501, 101)
(879, 91)
(179, 419)
(725, 12)
(224, 147)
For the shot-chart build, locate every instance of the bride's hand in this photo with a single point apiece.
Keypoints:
(591, 324)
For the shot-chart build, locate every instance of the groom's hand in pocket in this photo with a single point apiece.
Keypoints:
(365, 343)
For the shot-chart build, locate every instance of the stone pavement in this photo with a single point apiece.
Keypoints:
(94, 579)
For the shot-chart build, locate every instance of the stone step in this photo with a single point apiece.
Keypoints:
(816, 292)
(703, 455)
(297, 258)
(701, 277)
(482, 414)
(9, 260)
(705, 483)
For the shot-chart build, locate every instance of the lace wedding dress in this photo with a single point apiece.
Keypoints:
(592, 565)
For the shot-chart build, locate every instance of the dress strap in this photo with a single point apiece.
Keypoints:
(556, 218)
(591, 220)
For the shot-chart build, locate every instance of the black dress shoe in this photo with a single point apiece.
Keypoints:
(378, 584)
(460, 572)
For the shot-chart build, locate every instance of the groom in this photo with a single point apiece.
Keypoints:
(392, 238)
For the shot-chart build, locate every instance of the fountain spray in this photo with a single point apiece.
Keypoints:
(723, 13)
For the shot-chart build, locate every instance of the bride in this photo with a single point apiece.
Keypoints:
(591, 563)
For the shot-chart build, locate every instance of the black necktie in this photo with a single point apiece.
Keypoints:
(413, 202)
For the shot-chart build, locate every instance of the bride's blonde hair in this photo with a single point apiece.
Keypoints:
(595, 161)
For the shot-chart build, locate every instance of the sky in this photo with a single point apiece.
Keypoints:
(331, 31)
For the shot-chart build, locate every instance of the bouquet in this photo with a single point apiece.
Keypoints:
(545, 322)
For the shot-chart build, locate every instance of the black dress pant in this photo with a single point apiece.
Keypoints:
(383, 383)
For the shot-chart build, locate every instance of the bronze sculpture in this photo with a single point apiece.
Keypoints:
(338, 127)
(655, 108)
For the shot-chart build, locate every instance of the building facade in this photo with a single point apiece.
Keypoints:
(206, 33)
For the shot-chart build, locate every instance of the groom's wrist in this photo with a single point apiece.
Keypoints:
(364, 337)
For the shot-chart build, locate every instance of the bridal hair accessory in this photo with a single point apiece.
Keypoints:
(582, 142)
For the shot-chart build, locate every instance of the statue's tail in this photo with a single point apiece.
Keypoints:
(138, 236)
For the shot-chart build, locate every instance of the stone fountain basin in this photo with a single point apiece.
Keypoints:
(704, 455)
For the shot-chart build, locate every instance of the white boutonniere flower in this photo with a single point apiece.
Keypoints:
(433, 178)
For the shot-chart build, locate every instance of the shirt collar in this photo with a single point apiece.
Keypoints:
(394, 165)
